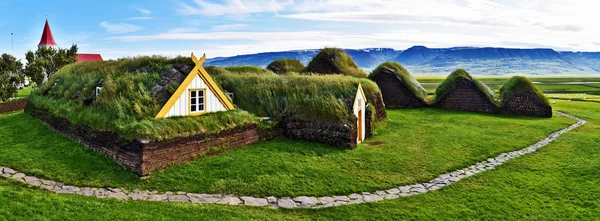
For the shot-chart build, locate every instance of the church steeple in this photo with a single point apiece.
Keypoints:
(47, 38)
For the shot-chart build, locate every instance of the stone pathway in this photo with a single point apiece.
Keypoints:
(288, 202)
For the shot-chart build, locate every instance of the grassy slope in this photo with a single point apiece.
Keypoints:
(418, 145)
(559, 182)
(25, 92)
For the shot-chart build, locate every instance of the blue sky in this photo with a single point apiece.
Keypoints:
(231, 27)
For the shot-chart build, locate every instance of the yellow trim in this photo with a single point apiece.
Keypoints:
(190, 101)
(197, 71)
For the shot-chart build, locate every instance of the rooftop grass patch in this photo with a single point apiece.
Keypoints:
(520, 84)
(284, 66)
(243, 70)
(334, 61)
(450, 84)
(327, 98)
(410, 82)
(126, 103)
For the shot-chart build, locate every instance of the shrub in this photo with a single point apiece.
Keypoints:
(284, 66)
(520, 84)
(334, 61)
(412, 83)
(450, 84)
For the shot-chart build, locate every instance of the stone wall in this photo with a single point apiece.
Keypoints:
(466, 96)
(333, 134)
(378, 103)
(144, 157)
(12, 106)
(395, 93)
(528, 104)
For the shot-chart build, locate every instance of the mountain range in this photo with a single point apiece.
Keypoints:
(420, 60)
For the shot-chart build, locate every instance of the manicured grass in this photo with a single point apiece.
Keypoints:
(559, 182)
(417, 145)
(25, 92)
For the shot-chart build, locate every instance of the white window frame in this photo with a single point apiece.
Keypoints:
(200, 101)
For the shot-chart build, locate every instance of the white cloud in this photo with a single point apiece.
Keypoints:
(119, 28)
(144, 11)
(232, 7)
(229, 27)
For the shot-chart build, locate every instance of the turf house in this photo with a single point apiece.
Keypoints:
(398, 87)
(519, 96)
(334, 61)
(331, 109)
(284, 66)
(461, 92)
(144, 113)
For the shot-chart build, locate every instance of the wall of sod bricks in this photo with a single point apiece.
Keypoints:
(467, 97)
(527, 104)
(12, 106)
(144, 157)
(332, 134)
(395, 93)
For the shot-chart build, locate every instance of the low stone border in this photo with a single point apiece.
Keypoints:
(288, 202)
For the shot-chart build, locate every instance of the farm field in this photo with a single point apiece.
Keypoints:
(558, 181)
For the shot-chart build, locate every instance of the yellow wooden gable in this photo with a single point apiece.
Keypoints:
(200, 72)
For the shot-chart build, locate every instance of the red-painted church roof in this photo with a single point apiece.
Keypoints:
(47, 38)
(88, 57)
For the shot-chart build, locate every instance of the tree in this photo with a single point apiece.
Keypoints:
(11, 74)
(46, 61)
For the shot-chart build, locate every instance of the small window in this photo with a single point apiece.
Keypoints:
(229, 94)
(196, 101)
(98, 89)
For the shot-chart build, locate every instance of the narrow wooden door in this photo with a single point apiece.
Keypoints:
(360, 125)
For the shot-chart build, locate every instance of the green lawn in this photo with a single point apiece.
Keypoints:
(416, 145)
(559, 182)
(25, 92)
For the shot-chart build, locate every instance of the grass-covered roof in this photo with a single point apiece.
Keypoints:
(334, 61)
(247, 70)
(449, 84)
(128, 101)
(410, 82)
(284, 66)
(320, 97)
(520, 84)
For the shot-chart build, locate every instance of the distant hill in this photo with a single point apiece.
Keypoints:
(421, 60)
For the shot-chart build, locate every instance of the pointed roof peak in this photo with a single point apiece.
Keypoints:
(47, 38)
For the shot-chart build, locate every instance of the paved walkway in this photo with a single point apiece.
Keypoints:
(289, 202)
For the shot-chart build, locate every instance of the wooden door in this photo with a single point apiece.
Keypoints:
(360, 125)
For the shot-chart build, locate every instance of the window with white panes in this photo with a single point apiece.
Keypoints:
(197, 100)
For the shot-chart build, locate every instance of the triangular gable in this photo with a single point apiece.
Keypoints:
(360, 92)
(200, 72)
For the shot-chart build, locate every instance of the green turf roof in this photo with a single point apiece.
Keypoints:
(321, 97)
(284, 66)
(410, 82)
(334, 61)
(450, 83)
(126, 104)
(520, 84)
